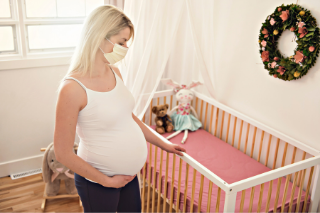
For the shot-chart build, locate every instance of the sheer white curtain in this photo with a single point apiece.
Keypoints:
(117, 3)
(157, 31)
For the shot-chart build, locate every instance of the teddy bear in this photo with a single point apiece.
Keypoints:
(53, 171)
(163, 121)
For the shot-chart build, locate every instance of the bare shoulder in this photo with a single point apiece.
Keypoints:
(116, 69)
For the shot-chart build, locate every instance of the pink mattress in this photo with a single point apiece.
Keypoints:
(227, 162)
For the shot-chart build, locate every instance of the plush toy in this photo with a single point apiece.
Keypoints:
(53, 171)
(163, 121)
(183, 119)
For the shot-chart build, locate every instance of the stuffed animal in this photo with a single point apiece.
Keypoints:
(183, 119)
(53, 171)
(163, 121)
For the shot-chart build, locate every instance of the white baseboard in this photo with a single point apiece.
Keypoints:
(20, 165)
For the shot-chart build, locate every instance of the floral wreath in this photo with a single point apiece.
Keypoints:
(304, 25)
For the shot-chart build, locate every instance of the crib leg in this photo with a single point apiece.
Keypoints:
(315, 193)
(230, 202)
(185, 136)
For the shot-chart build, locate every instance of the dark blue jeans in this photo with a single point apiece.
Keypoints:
(98, 198)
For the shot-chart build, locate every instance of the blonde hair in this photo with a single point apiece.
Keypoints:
(103, 22)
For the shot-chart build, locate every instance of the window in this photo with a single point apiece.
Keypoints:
(38, 28)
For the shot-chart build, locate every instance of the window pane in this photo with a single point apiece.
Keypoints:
(40, 8)
(71, 8)
(6, 38)
(53, 36)
(5, 9)
(92, 4)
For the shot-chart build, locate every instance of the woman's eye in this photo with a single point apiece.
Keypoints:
(121, 44)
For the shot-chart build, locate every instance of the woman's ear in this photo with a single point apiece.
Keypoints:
(46, 171)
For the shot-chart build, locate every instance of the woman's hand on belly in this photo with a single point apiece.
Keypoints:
(118, 181)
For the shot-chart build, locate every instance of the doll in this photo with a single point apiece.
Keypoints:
(182, 119)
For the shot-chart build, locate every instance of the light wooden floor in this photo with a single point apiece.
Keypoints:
(25, 195)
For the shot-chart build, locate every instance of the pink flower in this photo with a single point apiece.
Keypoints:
(264, 31)
(187, 103)
(275, 75)
(299, 57)
(281, 70)
(265, 56)
(265, 36)
(273, 64)
(264, 43)
(272, 21)
(187, 113)
(276, 58)
(301, 24)
(303, 31)
(292, 29)
(279, 9)
(311, 49)
(284, 16)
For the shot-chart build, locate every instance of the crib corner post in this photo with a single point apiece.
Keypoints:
(230, 202)
(315, 193)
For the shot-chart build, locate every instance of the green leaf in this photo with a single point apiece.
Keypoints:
(311, 29)
(309, 34)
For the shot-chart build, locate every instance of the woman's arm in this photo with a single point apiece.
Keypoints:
(69, 103)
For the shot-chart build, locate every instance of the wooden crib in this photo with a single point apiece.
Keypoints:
(289, 161)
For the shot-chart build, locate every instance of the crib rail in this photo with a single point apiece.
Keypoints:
(303, 171)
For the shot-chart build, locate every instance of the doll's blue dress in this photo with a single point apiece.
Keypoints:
(183, 119)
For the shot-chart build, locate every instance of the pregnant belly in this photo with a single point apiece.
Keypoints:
(123, 154)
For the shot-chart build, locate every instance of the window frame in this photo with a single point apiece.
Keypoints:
(22, 56)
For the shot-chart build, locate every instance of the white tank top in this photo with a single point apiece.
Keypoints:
(110, 139)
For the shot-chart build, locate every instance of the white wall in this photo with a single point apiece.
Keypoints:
(27, 112)
(241, 82)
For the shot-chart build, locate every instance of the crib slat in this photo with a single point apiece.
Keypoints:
(234, 130)
(196, 107)
(260, 148)
(185, 189)
(284, 155)
(143, 184)
(239, 141)
(205, 116)
(179, 183)
(307, 191)
(166, 184)
(150, 113)
(200, 193)
(209, 196)
(242, 200)
(144, 118)
(284, 198)
(154, 178)
(201, 111)
(303, 157)
(172, 182)
(253, 141)
(227, 136)
(171, 97)
(247, 135)
(276, 154)
(159, 182)
(300, 190)
(164, 99)
(210, 124)
(293, 155)
(216, 125)
(193, 189)
(277, 195)
(251, 199)
(149, 177)
(158, 100)
(269, 195)
(221, 129)
(218, 199)
(293, 190)
(260, 197)
(268, 150)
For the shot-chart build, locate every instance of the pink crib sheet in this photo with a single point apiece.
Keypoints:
(227, 162)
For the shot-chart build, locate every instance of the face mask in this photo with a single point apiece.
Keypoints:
(119, 52)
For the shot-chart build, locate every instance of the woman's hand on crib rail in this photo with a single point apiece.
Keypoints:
(174, 148)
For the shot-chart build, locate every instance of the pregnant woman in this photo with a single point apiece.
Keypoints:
(94, 102)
